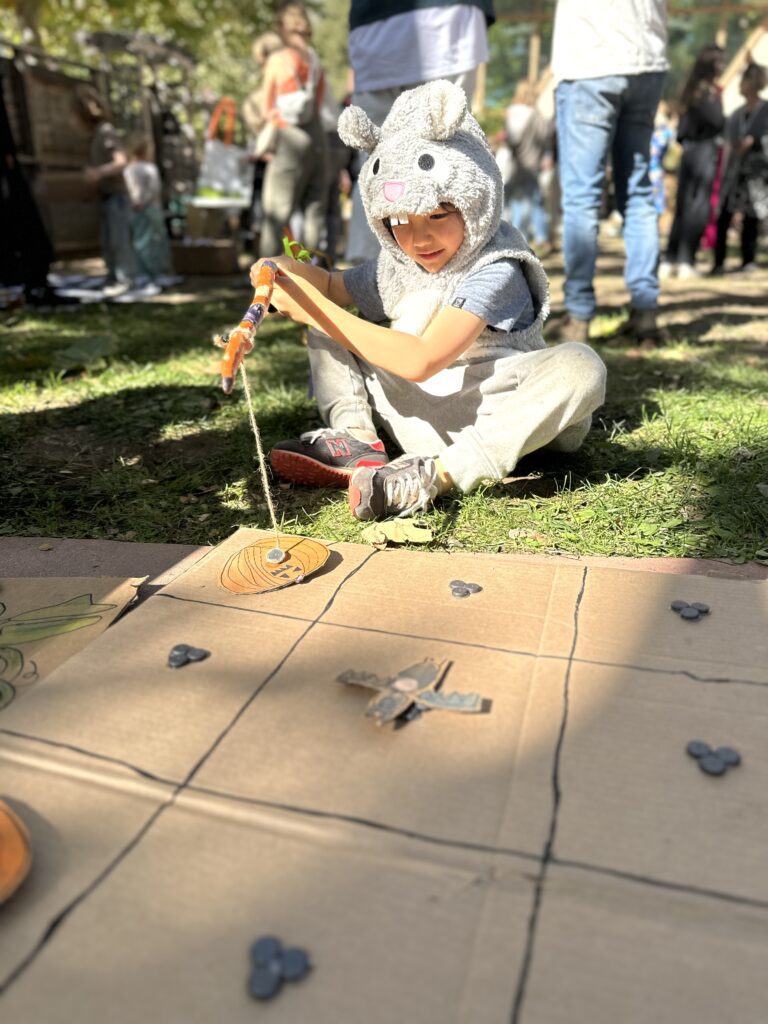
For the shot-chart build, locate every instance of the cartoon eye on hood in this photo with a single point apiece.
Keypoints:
(430, 150)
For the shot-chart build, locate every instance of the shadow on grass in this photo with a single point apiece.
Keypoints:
(176, 463)
(107, 465)
(148, 333)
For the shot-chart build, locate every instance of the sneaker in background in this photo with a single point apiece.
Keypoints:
(686, 271)
(325, 457)
(666, 270)
(402, 488)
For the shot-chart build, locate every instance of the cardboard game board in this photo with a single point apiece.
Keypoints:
(557, 858)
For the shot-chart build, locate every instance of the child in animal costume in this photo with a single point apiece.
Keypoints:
(446, 355)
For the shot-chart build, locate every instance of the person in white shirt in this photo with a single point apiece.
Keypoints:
(396, 45)
(609, 64)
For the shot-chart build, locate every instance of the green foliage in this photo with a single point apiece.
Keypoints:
(218, 33)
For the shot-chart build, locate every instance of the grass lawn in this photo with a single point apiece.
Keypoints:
(142, 444)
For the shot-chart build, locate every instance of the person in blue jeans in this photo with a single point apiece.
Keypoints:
(609, 62)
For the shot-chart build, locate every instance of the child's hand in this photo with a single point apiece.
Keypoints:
(281, 262)
(293, 296)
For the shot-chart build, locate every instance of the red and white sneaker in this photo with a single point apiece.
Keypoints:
(325, 457)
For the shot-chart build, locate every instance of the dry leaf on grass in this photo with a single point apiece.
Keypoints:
(398, 531)
(526, 534)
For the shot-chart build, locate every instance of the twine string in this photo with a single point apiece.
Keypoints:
(260, 453)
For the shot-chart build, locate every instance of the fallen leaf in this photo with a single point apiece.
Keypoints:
(45, 547)
(86, 353)
(526, 534)
(398, 531)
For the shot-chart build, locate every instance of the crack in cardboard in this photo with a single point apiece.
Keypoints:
(547, 854)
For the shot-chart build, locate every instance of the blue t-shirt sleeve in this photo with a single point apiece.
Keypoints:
(499, 294)
(360, 282)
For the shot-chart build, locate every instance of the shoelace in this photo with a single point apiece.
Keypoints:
(412, 488)
(312, 436)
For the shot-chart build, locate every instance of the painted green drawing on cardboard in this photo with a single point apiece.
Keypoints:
(39, 624)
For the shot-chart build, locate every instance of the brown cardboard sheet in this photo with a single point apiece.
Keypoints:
(470, 868)
(633, 800)
(44, 621)
(609, 950)
(392, 936)
(625, 619)
(121, 699)
(81, 814)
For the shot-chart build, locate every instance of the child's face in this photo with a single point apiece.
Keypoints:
(432, 239)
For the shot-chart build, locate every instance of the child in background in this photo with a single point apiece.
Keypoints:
(461, 379)
(745, 181)
(150, 238)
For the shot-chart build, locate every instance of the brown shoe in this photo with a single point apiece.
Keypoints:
(640, 329)
(570, 328)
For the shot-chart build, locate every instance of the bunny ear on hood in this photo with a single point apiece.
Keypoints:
(445, 106)
(356, 129)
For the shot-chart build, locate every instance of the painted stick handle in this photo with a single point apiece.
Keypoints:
(241, 338)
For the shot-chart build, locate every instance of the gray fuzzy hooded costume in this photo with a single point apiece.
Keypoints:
(430, 150)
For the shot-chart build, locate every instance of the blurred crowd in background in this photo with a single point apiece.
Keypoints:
(281, 156)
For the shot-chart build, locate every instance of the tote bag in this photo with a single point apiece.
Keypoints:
(225, 170)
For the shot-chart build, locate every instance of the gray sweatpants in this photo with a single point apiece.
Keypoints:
(295, 179)
(504, 406)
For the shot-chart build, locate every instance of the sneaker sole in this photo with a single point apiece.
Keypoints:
(301, 470)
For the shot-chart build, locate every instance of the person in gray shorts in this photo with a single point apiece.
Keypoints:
(447, 355)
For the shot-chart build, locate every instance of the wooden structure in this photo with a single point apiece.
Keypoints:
(52, 143)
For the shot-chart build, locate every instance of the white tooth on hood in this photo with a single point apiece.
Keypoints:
(393, 221)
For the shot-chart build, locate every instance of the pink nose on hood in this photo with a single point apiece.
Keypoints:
(393, 190)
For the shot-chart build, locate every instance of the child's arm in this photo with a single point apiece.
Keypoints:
(309, 295)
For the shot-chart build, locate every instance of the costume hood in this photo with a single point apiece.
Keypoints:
(430, 150)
